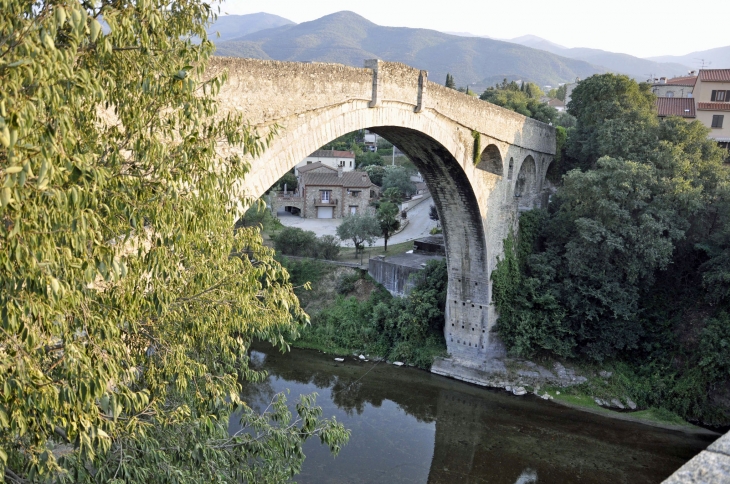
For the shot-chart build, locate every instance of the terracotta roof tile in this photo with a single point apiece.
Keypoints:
(715, 75)
(314, 166)
(713, 106)
(675, 106)
(682, 81)
(352, 179)
(332, 154)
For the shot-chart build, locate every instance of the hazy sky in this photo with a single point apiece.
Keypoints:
(639, 27)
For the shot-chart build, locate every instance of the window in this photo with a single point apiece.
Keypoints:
(355, 194)
(309, 163)
(717, 120)
(351, 164)
(720, 96)
(325, 194)
(670, 93)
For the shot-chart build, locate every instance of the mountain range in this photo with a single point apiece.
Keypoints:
(477, 61)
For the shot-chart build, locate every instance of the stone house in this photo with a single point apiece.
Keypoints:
(324, 192)
(675, 86)
(709, 104)
(333, 158)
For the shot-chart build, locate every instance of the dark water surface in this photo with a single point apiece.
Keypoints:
(409, 426)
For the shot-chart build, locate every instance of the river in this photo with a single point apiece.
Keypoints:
(409, 426)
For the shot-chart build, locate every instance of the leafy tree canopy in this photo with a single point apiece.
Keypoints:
(398, 177)
(127, 302)
(389, 220)
(359, 227)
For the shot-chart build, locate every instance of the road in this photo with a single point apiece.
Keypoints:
(419, 225)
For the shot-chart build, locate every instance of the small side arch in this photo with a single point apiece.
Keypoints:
(491, 161)
(526, 184)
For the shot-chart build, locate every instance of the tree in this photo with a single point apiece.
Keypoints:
(368, 159)
(433, 213)
(128, 303)
(376, 173)
(615, 116)
(398, 177)
(521, 102)
(392, 195)
(450, 81)
(387, 216)
(289, 180)
(360, 228)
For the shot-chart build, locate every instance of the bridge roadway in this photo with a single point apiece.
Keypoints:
(482, 163)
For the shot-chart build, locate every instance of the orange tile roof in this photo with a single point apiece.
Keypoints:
(715, 75)
(713, 106)
(682, 81)
(675, 106)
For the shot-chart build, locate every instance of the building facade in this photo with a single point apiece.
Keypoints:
(332, 158)
(709, 103)
(675, 86)
(327, 193)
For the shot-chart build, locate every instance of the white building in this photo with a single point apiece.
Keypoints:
(332, 158)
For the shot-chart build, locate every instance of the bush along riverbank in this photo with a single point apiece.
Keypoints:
(351, 313)
(628, 267)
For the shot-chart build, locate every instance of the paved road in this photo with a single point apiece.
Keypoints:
(419, 225)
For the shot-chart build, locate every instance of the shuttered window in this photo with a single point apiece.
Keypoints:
(717, 120)
(720, 96)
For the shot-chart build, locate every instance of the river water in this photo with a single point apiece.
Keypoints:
(409, 426)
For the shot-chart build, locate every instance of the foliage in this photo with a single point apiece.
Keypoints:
(392, 195)
(450, 81)
(289, 180)
(368, 159)
(433, 213)
(127, 301)
(388, 219)
(630, 262)
(361, 228)
(615, 117)
(559, 92)
(258, 215)
(398, 177)
(376, 173)
(525, 101)
(305, 243)
(408, 329)
(348, 142)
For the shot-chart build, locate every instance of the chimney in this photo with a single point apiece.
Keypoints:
(662, 80)
(339, 172)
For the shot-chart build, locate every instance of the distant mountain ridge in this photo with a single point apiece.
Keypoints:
(235, 26)
(479, 61)
(348, 38)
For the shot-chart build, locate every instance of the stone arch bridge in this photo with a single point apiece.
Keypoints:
(482, 163)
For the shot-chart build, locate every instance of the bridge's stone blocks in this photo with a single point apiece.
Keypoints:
(315, 103)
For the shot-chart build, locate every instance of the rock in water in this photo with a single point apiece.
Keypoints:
(519, 391)
(615, 402)
(339, 359)
(362, 357)
(398, 363)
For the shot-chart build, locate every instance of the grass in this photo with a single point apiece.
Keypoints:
(573, 396)
(327, 349)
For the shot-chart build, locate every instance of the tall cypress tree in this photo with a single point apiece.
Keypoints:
(450, 81)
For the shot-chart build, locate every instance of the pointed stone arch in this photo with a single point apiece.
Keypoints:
(526, 184)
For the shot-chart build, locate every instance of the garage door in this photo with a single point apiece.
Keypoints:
(324, 212)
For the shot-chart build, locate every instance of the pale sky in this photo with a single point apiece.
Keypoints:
(638, 27)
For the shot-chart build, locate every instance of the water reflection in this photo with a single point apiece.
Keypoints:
(411, 426)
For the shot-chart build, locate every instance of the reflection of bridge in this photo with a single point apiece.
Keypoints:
(482, 163)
